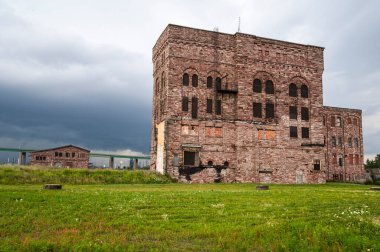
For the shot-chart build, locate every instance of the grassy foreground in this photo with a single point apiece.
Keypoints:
(13, 175)
(178, 217)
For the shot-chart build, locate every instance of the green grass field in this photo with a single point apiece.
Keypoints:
(183, 217)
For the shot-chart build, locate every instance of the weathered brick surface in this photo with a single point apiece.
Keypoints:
(256, 149)
(66, 156)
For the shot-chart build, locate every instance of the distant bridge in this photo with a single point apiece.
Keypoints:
(110, 156)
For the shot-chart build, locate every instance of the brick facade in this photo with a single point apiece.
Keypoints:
(66, 156)
(238, 108)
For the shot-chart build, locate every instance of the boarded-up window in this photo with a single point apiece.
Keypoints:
(218, 83)
(257, 86)
(305, 132)
(257, 110)
(351, 159)
(305, 114)
(185, 79)
(293, 112)
(218, 132)
(189, 158)
(293, 131)
(269, 87)
(332, 122)
(218, 106)
(333, 141)
(269, 110)
(194, 107)
(209, 82)
(356, 159)
(194, 80)
(304, 91)
(209, 131)
(266, 134)
(355, 121)
(209, 105)
(349, 121)
(185, 103)
(293, 90)
(185, 129)
(334, 159)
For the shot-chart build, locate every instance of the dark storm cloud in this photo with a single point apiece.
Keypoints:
(60, 90)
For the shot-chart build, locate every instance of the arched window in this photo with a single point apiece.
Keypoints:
(304, 91)
(269, 87)
(163, 81)
(185, 79)
(209, 82)
(226, 164)
(218, 83)
(194, 80)
(257, 86)
(209, 163)
(293, 90)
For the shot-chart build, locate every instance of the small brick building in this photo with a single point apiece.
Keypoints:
(241, 108)
(68, 156)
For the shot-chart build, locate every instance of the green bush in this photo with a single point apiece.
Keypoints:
(40, 175)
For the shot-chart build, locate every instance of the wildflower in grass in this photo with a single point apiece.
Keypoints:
(217, 205)
(164, 217)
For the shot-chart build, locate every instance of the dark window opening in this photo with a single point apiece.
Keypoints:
(189, 158)
(293, 90)
(56, 154)
(269, 110)
(226, 164)
(257, 110)
(185, 79)
(209, 163)
(218, 108)
(73, 154)
(194, 80)
(60, 154)
(67, 154)
(304, 91)
(194, 107)
(209, 82)
(356, 142)
(340, 141)
(185, 103)
(305, 132)
(333, 141)
(317, 164)
(269, 87)
(293, 112)
(340, 161)
(305, 114)
(209, 105)
(218, 83)
(257, 86)
(43, 158)
(293, 131)
(350, 142)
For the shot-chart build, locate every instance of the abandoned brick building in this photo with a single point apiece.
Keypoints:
(68, 156)
(241, 108)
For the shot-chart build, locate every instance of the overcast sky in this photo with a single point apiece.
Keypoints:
(80, 72)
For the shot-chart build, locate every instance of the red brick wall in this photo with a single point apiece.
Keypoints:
(49, 158)
(240, 59)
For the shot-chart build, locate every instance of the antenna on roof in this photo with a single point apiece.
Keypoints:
(239, 25)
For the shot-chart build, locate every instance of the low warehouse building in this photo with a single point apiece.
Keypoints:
(69, 156)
